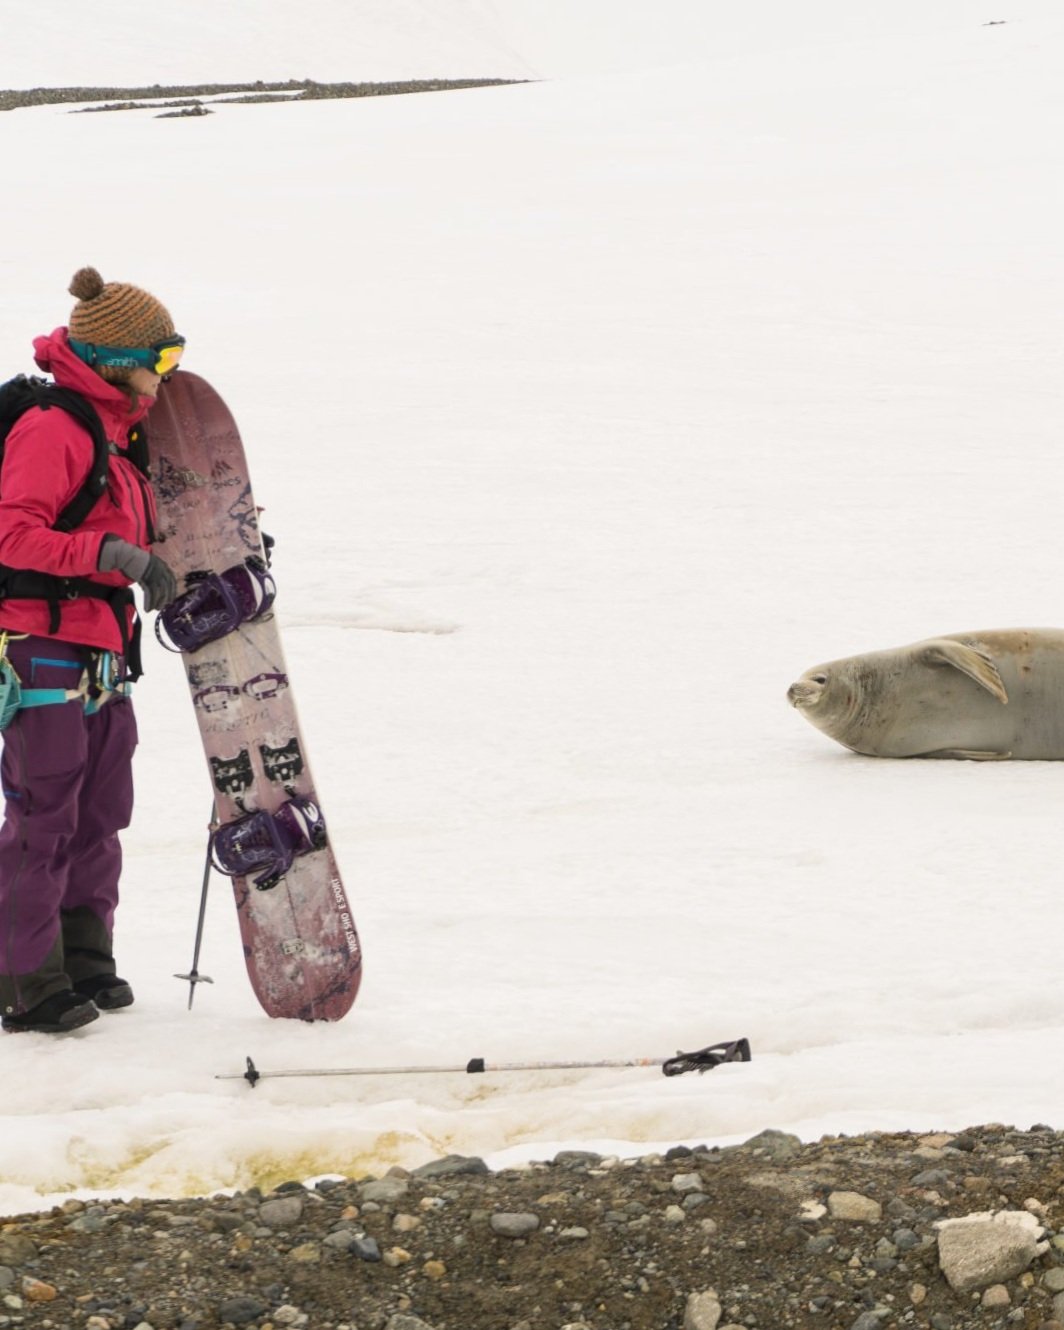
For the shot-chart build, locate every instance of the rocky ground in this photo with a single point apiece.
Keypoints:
(843, 1234)
(195, 100)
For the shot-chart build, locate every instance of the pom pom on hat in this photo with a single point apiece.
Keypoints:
(86, 284)
(116, 314)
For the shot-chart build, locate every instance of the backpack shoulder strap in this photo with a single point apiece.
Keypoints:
(22, 393)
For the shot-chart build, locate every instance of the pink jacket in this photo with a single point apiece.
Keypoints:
(46, 459)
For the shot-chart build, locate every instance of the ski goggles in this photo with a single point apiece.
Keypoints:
(161, 357)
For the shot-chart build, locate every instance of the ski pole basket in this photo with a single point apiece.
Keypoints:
(215, 604)
(268, 843)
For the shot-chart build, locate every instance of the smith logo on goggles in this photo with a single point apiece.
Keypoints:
(161, 358)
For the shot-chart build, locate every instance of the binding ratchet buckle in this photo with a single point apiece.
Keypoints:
(267, 843)
(214, 605)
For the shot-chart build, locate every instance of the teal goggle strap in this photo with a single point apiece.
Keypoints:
(115, 357)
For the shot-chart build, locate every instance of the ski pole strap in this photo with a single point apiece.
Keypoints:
(216, 604)
(705, 1059)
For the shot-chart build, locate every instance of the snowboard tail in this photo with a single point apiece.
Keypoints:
(300, 942)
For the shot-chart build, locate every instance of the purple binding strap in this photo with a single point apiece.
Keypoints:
(267, 843)
(216, 604)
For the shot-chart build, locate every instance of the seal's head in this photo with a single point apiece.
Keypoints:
(809, 689)
(829, 698)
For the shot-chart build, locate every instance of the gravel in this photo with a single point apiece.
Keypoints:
(842, 1234)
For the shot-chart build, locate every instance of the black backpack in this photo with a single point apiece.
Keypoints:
(17, 396)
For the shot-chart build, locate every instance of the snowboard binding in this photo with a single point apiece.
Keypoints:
(267, 843)
(214, 605)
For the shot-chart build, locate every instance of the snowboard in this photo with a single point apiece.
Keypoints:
(299, 938)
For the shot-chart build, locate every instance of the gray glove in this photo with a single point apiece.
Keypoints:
(151, 573)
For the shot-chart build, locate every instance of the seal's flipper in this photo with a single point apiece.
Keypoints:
(967, 755)
(972, 661)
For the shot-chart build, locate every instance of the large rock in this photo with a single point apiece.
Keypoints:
(384, 1191)
(775, 1144)
(241, 1309)
(16, 1249)
(852, 1206)
(452, 1166)
(510, 1225)
(984, 1249)
(281, 1211)
(702, 1312)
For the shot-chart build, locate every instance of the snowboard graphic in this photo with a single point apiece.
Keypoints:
(300, 942)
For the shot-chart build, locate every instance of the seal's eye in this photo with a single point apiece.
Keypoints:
(820, 678)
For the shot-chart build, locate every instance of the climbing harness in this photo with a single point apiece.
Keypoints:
(101, 680)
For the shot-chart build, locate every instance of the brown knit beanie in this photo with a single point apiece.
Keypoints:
(116, 314)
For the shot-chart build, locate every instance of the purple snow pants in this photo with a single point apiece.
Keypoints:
(68, 791)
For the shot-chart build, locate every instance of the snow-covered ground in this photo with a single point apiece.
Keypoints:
(587, 414)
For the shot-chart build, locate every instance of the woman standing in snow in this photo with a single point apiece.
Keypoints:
(69, 636)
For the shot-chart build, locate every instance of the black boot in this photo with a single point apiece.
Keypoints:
(55, 1015)
(106, 990)
(89, 961)
(29, 991)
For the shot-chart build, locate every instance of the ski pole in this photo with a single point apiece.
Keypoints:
(194, 977)
(702, 1059)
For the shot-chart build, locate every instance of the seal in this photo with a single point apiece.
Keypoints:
(986, 696)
